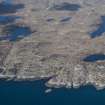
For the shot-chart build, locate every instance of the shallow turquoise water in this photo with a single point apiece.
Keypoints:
(33, 93)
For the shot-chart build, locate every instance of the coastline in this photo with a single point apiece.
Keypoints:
(56, 48)
(46, 79)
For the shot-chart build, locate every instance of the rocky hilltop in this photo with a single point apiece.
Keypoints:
(66, 42)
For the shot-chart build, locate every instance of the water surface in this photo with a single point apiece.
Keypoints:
(15, 32)
(32, 93)
(8, 19)
(94, 58)
(100, 30)
(6, 7)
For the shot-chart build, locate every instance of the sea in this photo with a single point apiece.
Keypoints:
(33, 93)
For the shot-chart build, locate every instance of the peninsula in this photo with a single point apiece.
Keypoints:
(62, 40)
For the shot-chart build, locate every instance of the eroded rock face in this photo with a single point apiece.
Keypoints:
(59, 49)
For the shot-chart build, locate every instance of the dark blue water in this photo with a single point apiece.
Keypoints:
(100, 30)
(8, 19)
(6, 7)
(32, 93)
(94, 57)
(65, 6)
(15, 32)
